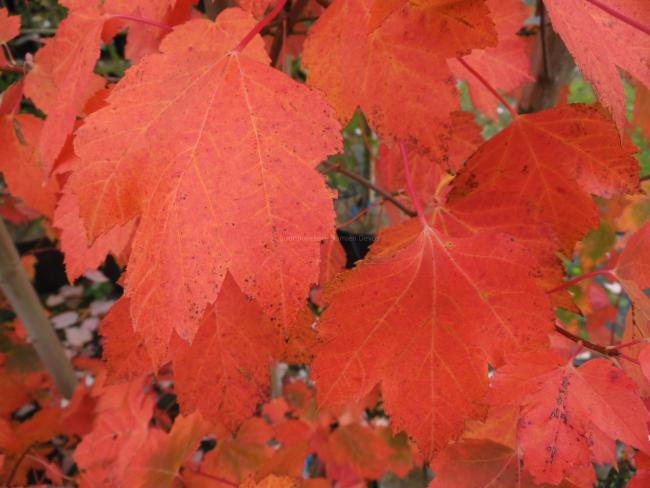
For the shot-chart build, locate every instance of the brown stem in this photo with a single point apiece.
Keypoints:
(13, 69)
(278, 42)
(605, 351)
(21, 295)
(372, 186)
(291, 20)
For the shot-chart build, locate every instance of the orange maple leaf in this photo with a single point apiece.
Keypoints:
(423, 315)
(160, 152)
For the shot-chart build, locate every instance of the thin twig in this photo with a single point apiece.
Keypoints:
(13, 69)
(606, 272)
(361, 214)
(636, 342)
(369, 184)
(629, 358)
(141, 20)
(605, 351)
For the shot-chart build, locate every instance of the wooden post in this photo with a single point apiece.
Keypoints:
(16, 286)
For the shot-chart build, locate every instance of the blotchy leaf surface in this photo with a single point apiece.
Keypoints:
(603, 45)
(224, 374)
(213, 180)
(570, 417)
(546, 165)
(423, 316)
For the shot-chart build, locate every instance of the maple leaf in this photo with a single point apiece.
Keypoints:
(478, 464)
(9, 26)
(238, 458)
(229, 164)
(62, 78)
(423, 315)
(362, 65)
(224, 374)
(159, 460)
(547, 165)
(121, 427)
(356, 448)
(505, 66)
(21, 162)
(570, 417)
(79, 257)
(602, 45)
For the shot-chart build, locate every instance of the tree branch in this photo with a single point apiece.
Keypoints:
(604, 350)
(369, 184)
(23, 299)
